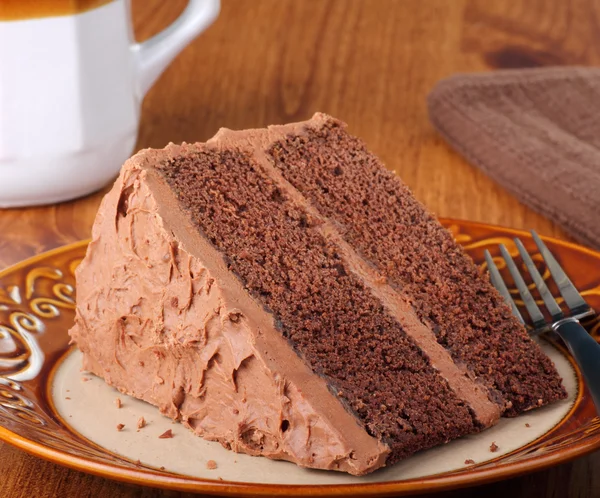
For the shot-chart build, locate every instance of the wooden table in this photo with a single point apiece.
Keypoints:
(368, 62)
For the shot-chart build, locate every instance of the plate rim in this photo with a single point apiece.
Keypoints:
(445, 482)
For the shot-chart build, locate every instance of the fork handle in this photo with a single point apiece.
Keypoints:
(586, 352)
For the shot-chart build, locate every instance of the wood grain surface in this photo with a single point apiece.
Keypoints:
(368, 62)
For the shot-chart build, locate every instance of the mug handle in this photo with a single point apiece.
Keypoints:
(155, 54)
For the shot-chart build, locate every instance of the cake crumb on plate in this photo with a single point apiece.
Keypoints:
(166, 435)
(468, 461)
(141, 423)
(118, 403)
(493, 447)
(211, 465)
(120, 427)
(527, 425)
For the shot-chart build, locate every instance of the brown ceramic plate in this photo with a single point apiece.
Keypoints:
(51, 409)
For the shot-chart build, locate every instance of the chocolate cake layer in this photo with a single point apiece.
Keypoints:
(324, 310)
(377, 214)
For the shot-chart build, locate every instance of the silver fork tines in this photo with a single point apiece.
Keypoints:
(567, 290)
(497, 282)
(533, 309)
(538, 280)
(576, 304)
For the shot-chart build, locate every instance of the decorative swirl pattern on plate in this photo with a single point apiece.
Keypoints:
(27, 310)
(16, 406)
(20, 355)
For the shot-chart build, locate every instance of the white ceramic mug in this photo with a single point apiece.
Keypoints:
(71, 87)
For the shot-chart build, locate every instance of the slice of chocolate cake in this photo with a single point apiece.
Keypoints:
(281, 292)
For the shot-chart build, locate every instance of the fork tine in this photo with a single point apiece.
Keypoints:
(567, 290)
(499, 284)
(549, 300)
(532, 308)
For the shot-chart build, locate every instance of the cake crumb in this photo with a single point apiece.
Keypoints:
(211, 465)
(527, 425)
(118, 403)
(166, 435)
(493, 447)
(120, 427)
(85, 379)
(141, 423)
(162, 468)
(67, 397)
(468, 461)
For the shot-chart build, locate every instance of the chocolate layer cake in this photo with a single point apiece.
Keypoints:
(281, 292)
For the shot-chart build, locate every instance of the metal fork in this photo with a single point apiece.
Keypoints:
(583, 347)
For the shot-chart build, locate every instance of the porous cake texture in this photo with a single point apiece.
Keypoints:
(280, 291)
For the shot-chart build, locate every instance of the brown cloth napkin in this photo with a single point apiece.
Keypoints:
(534, 131)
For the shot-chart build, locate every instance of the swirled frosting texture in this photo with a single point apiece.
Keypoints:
(160, 318)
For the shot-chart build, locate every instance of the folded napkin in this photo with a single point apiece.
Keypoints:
(534, 131)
